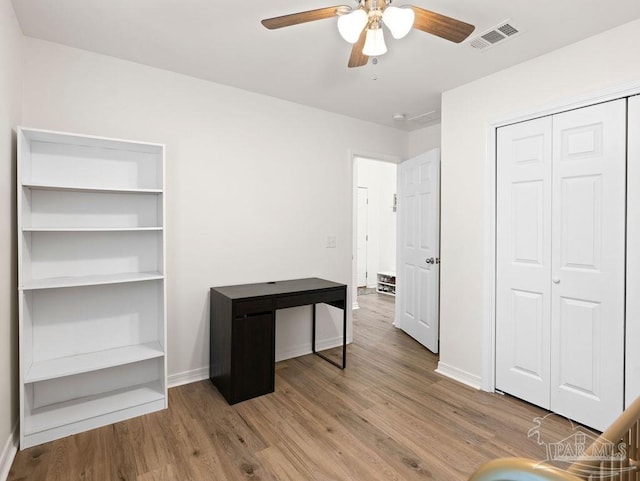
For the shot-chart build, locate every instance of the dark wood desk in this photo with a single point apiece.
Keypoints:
(242, 344)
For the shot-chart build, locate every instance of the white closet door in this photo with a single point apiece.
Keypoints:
(588, 263)
(524, 260)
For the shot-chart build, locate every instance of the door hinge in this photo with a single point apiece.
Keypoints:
(367, 237)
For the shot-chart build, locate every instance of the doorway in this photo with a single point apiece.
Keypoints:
(401, 204)
(375, 226)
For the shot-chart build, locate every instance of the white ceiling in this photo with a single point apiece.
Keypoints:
(223, 41)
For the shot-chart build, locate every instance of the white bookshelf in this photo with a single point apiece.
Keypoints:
(91, 282)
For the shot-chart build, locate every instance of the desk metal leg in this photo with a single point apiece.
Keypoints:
(344, 339)
(344, 335)
(313, 330)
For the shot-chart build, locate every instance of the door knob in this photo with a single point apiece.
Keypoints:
(556, 280)
(430, 260)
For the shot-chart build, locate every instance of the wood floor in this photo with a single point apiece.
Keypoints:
(388, 416)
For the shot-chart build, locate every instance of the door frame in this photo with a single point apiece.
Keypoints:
(358, 221)
(490, 254)
(352, 156)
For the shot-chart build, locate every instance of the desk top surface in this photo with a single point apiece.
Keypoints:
(277, 288)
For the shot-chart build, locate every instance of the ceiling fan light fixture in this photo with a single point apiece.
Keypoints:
(398, 20)
(351, 25)
(374, 43)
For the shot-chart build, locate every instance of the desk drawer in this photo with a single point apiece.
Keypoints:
(258, 306)
(307, 298)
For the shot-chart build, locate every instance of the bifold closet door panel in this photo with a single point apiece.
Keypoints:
(588, 263)
(632, 371)
(524, 260)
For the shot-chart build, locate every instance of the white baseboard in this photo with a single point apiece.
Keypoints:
(200, 374)
(355, 305)
(8, 453)
(186, 377)
(459, 375)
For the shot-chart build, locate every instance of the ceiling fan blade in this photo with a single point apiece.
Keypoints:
(441, 25)
(357, 58)
(303, 17)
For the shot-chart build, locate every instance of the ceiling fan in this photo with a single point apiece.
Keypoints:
(363, 26)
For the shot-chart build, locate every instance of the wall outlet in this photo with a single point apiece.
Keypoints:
(331, 242)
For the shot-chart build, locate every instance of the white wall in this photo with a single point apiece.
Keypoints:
(254, 184)
(602, 61)
(380, 180)
(424, 140)
(10, 92)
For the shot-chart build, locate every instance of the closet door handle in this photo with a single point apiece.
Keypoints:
(430, 260)
(556, 280)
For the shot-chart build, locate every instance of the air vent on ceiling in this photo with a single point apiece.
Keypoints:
(424, 118)
(494, 35)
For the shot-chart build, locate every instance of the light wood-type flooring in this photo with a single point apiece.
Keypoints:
(388, 416)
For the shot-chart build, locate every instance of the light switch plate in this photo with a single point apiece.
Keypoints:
(331, 242)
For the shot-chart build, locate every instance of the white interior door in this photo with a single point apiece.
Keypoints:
(418, 272)
(523, 267)
(588, 263)
(560, 283)
(361, 236)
